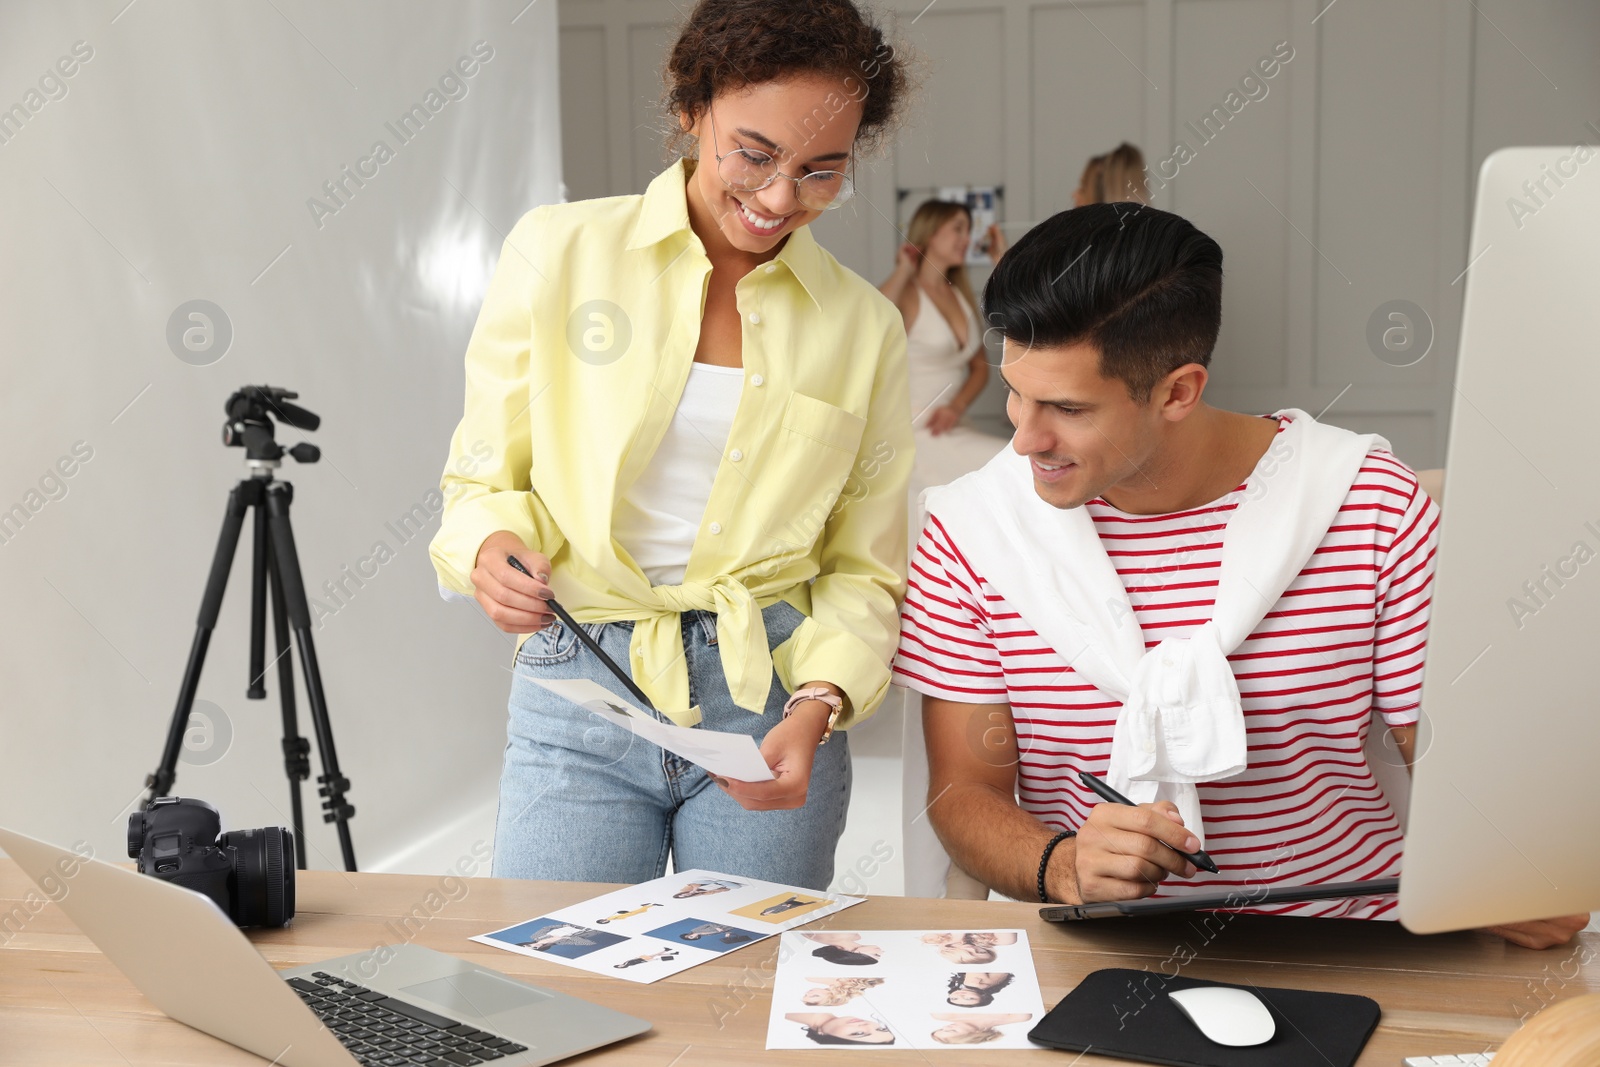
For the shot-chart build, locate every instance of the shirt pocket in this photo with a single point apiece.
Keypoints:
(811, 463)
(822, 423)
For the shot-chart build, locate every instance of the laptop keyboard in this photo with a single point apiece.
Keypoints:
(381, 1031)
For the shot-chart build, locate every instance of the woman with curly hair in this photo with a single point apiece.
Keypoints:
(832, 992)
(689, 424)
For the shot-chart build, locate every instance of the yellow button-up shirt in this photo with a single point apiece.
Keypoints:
(574, 370)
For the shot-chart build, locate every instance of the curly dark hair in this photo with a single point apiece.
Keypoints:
(729, 44)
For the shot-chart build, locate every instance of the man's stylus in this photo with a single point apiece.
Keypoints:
(1199, 859)
(594, 646)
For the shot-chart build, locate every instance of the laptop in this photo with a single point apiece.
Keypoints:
(1505, 747)
(388, 1005)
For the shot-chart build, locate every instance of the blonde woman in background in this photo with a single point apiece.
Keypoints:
(1116, 177)
(948, 369)
(944, 343)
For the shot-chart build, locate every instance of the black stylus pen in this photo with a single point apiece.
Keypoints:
(594, 646)
(1199, 859)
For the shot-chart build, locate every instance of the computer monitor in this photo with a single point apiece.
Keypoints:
(1504, 821)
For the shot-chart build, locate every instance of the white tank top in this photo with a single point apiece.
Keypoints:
(659, 515)
(936, 360)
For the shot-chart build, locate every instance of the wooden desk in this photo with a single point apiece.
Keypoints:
(62, 1004)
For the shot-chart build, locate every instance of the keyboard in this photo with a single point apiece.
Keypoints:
(1465, 1059)
(383, 1031)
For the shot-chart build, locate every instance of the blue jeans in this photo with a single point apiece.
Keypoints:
(582, 800)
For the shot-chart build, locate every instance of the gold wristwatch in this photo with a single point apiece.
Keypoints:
(835, 706)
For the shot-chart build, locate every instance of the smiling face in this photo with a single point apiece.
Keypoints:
(965, 998)
(1082, 432)
(806, 122)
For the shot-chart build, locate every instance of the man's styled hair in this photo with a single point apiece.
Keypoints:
(1141, 285)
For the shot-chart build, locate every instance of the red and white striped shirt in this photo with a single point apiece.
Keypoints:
(1346, 638)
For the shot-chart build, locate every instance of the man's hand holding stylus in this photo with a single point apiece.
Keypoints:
(513, 601)
(1123, 853)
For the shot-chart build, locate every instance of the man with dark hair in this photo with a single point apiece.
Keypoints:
(1203, 607)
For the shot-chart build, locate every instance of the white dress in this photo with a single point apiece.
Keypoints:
(938, 364)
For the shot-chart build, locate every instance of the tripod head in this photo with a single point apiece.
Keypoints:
(250, 425)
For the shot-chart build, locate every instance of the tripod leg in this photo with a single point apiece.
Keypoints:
(296, 749)
(258, 607)
(336, 809)
(243, 496)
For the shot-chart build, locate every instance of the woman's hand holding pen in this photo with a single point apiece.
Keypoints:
(514, 602)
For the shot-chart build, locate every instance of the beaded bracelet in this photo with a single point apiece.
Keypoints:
(1044, 860)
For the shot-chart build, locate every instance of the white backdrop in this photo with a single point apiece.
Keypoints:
(156, 153)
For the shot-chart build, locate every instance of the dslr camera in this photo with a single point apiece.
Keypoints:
(248, 873)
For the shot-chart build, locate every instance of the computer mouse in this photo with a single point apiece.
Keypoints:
(1226, 1015)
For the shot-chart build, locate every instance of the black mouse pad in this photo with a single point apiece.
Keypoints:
(1117, 1012)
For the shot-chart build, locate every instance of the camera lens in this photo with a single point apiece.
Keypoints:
(135, 833)
(263, 875)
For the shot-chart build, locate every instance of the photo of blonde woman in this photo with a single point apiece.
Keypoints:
(969, 947)
(832, 992)
(972, 1029)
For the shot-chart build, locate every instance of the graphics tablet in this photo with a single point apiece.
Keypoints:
(1234, 898)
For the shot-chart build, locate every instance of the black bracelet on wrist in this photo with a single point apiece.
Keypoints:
(1044, 860)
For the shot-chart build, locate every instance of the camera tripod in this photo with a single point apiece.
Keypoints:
(275, 567)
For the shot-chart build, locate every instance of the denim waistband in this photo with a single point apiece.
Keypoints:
(707, 621)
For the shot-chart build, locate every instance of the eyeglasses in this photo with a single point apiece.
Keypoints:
(748, 170)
